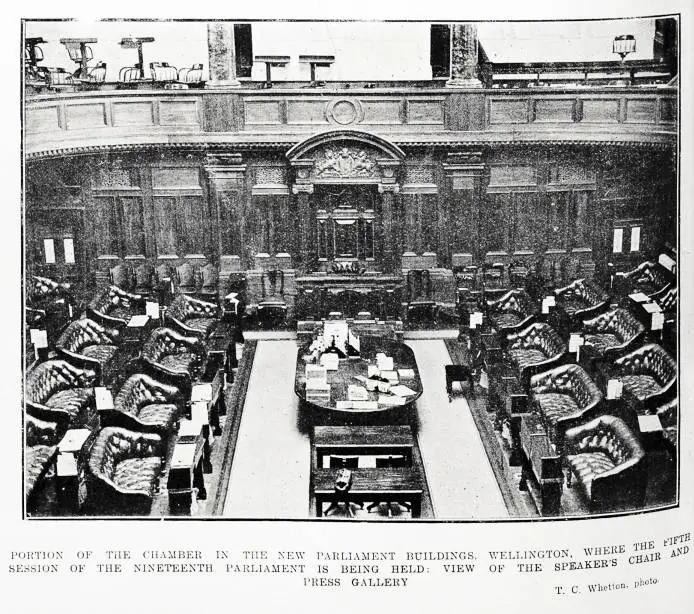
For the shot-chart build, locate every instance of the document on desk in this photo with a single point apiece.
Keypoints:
(402, 391)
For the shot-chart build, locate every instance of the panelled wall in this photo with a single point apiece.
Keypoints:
(85, 214)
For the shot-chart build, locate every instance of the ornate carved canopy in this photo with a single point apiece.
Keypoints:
(345, 156)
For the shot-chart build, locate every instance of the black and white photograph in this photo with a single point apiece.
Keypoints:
(387, 271)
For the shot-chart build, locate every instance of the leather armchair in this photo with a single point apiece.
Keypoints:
(58, 391)
(534, 349)
(608, 463)
(563, 397)
(113, 306)
(612, 333)
(191, 316)
(272, 308)
(512, 312)
(648, 375)
(87, 342)
(49, 305)
(581, 299)
(167, 351)
(120, 472)
(650, 278)
(668, 419)
(146, 404)
(41, 446)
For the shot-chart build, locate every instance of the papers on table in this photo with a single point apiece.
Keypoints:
(650, 423)
(475, 319)
(201, 392)
(392, 400)
(384, 363)
(138, 321)
(406, 373)
(357, 393)
(391, 376)
(330, 361)
(39, 338)
(152, 309)
(576, 340)
(547, 302)
(316, 373)
(402, 391)
(639, 297)
(363, 405)
(651, 307)
(103, 398)
(657, 320)
(372, 371)
(614, 389)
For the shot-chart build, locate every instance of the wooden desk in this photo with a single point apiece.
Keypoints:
(370, 485)
(362, 440)
(542, 473)
(186, 474)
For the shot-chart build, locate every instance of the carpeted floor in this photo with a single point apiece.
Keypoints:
(271, 470)
(461, 481)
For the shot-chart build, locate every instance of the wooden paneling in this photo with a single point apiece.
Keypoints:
(105, 226)
(179, 112)
(556, 110)
(502, 111)
(640, 110)
(133, 226)
(82, 116)
(178, 177)
(165, 214)
(192, 225)
(604, 110)
(668, 110)
(133, 113)
(262, 112)
(43, 119)
(306, 112)
(382, 111)
(425, 112)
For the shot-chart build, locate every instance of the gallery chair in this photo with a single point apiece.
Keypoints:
(113, 306)
(122, 275)
(188, 279)
(272, 308)
(191, 316)
(421, 309)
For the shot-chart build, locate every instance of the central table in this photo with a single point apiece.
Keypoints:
(363, 440)
(370, 485)
(327, 412)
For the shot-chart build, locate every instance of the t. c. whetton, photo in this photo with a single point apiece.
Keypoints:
(384, 271)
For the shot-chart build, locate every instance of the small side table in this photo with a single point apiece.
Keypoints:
(66, 472)
(185, 476)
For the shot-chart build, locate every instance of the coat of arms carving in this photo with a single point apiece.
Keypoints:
(345, 162)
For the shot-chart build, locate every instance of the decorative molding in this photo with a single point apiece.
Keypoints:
(392, 188)
(344, 111)
(420, 188)
(302, 188)
(344, 162)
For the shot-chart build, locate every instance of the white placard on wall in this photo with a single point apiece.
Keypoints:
(69, 249)
(617, 239)
(49, 250)
(635, 238)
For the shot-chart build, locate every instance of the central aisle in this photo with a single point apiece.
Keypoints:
(271, 469)
(461, 481)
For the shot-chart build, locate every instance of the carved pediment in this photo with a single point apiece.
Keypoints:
(345, 162)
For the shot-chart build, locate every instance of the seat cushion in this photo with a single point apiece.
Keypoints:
(641, 386)
(180, 363)
(121, 312)
(523, 358)
(73, 400)
(587, 466)
(574, 304)
(139, 474)
(600, 343)
(102, 353)
(158, 414)
(555, 406)
(506, 320)
(36, 458)
(203, 325)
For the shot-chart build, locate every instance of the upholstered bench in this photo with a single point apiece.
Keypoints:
(113, 306)
(192, 316)
(56, 387)
(512, 311)
(145, 404)
(608, 464)
(536, 348)
(88, 342)
(648, 375)
(581, 299)
(122, 472)
(562, 397)
(41, 446)
(611, 333)
(174, 354)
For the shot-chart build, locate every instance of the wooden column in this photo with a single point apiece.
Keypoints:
(307, 250)
(226, 178)
(465, 172)
(222, 55)
(464, 53)
(389, 190)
